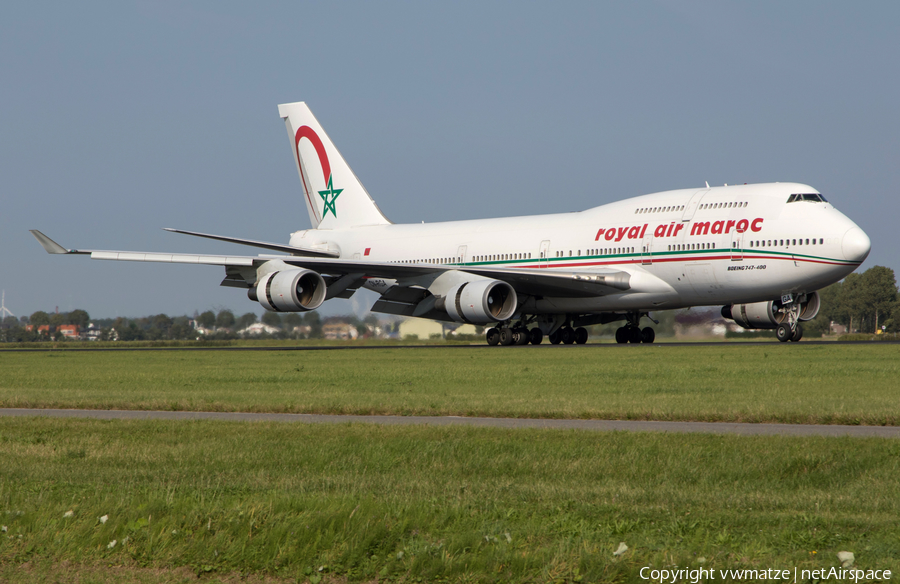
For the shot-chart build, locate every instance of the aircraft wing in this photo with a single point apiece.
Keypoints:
(530, 281)
(142, 256)
(298, 251)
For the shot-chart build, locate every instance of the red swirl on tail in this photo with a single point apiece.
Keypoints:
(310, 134)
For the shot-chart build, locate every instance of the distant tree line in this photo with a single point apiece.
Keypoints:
(221, 325)
(226, 325)
(14, 329)
(863, 302)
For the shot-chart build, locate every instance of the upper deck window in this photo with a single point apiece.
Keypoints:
(811, 197)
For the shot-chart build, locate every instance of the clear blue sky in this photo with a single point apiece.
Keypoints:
(118, 119)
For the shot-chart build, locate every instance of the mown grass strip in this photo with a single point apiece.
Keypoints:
(748, 383)
(439, 504)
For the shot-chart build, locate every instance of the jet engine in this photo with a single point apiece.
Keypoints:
(289, 291)
(480, 302)
(768, 315)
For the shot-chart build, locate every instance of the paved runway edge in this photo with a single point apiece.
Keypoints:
(595, 425)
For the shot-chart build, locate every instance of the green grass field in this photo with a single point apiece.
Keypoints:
(407, 504)
(268, 502)
(845, 384)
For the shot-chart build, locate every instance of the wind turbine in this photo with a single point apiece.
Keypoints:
(4, 311)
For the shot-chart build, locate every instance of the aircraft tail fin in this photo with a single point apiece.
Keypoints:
(335, 198)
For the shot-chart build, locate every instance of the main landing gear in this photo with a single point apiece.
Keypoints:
(569, 336)
(518, 335)
(633, 333)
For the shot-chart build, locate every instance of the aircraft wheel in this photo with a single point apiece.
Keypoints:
(521, 336)
(784, 333)
(568, 335)
(535, 336)
(555, 337)
(506, 337)
(493, 337)
(798, 333)
(621, 335)
(648, 335)
(581, 335)
(634, 335)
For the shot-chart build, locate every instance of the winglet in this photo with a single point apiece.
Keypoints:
(50, 245)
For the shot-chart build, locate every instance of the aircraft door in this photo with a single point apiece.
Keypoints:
(737, 247)
(692, 205)
(545, 254)
(647, 249)
(461, 253)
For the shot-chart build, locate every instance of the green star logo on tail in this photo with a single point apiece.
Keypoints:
(330, 196)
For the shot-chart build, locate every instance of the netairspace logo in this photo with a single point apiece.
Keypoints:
(697, 575)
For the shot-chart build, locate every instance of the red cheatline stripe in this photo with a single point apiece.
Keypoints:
(310, 134)
(638, 260)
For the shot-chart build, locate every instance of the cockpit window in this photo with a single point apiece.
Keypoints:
(812, 197)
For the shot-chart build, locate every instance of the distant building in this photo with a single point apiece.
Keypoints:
(256, 329)
(302, 330)
(421, 328)
(339, 331)
(92, 333)
(70, 331)
(43, 329)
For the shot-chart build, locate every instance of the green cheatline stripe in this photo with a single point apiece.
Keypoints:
(751, 250)
(659, 254)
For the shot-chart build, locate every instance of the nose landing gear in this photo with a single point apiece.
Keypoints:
(790, 330)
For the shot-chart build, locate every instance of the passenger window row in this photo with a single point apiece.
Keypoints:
(614, 251)
(731, 205)
(501, 257)
(429, 261)
(598, 251)
(659, 209)
(786, 242)
(723, 205)
(691, 246)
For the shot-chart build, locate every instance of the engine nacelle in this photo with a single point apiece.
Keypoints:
(480, 302)
(809, 308)
(289, 291)
(768, 315)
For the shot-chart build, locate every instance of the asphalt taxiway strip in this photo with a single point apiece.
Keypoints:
(594, 425)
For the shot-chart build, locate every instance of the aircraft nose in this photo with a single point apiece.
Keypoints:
(856, 245)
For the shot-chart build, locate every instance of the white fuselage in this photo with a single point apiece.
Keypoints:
(709, 246)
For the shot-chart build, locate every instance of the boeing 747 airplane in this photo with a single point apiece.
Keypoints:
(761, 251)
